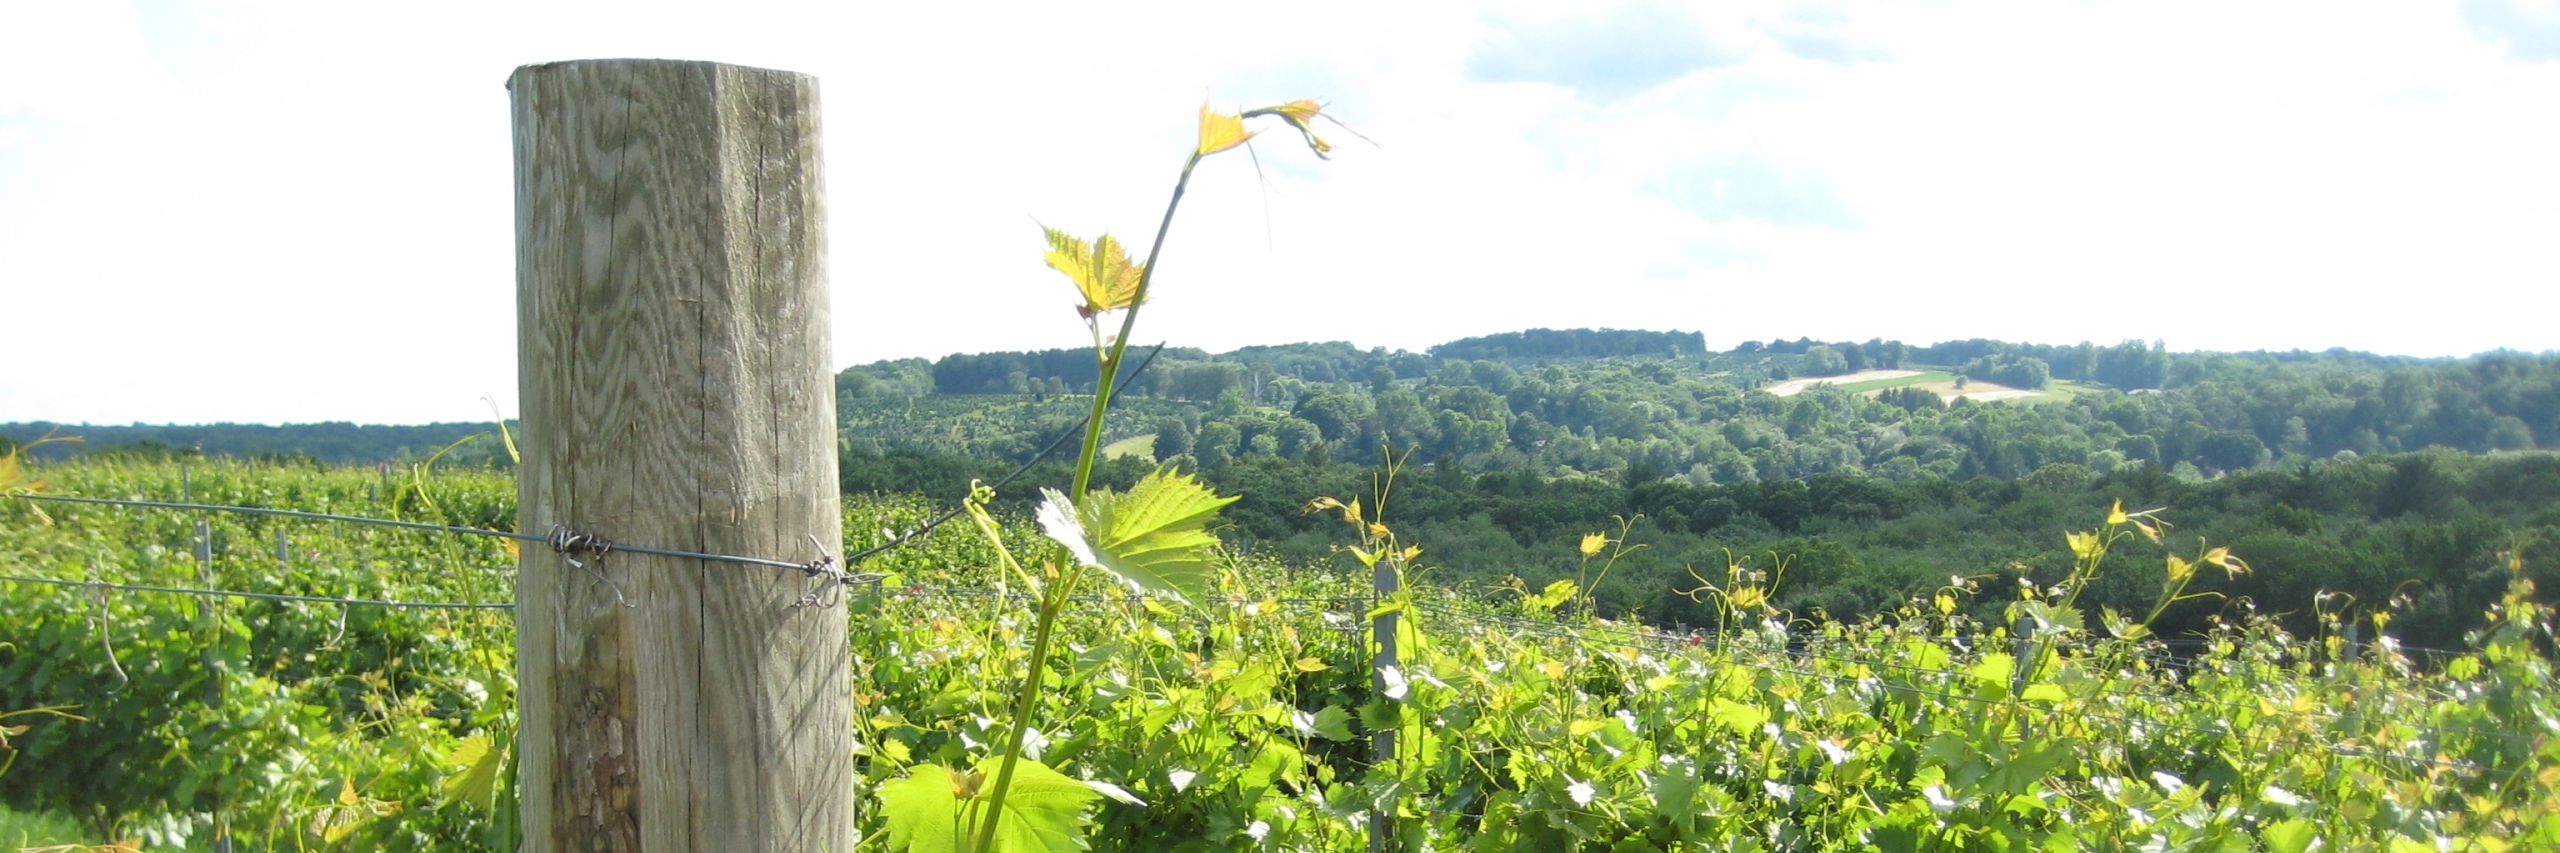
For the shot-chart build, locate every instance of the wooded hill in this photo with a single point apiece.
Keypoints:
(1679, 412)
(2362, 481)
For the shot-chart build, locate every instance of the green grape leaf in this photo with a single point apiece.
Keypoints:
(2291, 835)
(1674, 793)
(1330, 723)
(1044, 812)
(1380, 714)
(1556, 594)
(1741, 719)
(2044, 692)
(923, 808)
(477, 781)
(2121, 627)
(2051, 619)
(1154, 535)
(1994, 668)
(1100, 269)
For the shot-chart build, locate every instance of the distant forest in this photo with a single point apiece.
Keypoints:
(335, 443)
(1680, 412)
(2358, 480)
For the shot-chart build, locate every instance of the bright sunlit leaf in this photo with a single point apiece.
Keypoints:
(476, 780)
(1154, 536)
(1220, 131)
(1044, 810)
(1101, 270)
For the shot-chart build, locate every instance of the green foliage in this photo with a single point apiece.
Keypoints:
(1522, 735)
(1693, 416)
(1572, 343)
(931, 808)
(254, 717)
(2011, 369)
(1152, 536)
(1240, 721)
(332, 443)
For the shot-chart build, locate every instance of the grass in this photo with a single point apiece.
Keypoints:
(36, 829)
(1141, 446)
(1944, 383)
(1897, 382)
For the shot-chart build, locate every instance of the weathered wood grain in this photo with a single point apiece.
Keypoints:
(674, 372)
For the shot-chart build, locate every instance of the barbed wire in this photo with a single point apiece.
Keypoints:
(267, 596)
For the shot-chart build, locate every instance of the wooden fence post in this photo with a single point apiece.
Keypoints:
(676, 389)
(1382, 743)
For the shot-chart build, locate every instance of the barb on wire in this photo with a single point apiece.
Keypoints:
(570, 543)
(267, 596)
(1018, 471)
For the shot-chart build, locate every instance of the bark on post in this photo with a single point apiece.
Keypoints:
(674, 371)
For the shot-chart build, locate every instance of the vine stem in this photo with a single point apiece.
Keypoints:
(1055, 600)
(1120, 344)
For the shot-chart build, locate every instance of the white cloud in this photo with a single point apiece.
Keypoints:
(2529, 28)
(300, 210)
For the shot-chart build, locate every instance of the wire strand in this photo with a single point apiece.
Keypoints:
(561, 538)
(267, 596)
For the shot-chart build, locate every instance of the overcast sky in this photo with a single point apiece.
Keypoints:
(298, 211)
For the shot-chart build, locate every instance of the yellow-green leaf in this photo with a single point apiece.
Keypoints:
(1101, 270)
(1301, 115)
(1043, 810)
(2291, 835)
(1994, 668)
(1155, 535)
(1555, 594)
(1737, 717)
(476, 782)
(1219, 131)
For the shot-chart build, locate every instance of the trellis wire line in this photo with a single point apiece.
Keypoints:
(1817, 648)
(565, 540)
(2394, 644)
(1675, 643)
(1810, 649)
(560, 538)
(1099, 598)
(1018, 471)
(268, 596)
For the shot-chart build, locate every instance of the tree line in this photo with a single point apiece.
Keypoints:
(2425, 535)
